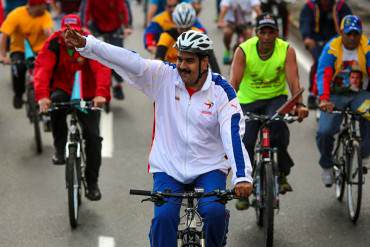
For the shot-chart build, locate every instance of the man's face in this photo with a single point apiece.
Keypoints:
(351, 40)
(188, 67)
(170, 5)
(355, 79)
(267, 37)
(38, 10)
(181, 30)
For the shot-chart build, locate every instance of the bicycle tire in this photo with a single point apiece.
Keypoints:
(259, 207)
(34, 118)
(339, 170)
(73, 180)
(354, 186)
(269, 205)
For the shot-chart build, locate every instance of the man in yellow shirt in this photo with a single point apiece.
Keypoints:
(30, 22)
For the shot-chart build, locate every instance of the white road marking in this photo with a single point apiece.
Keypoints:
(106, 131)
(105, 241)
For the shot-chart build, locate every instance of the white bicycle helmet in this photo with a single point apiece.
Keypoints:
(184, 15)
(196, 42)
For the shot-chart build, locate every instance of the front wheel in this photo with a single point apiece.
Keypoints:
(33, 115)
(354, 181)
(269, 192)
(73, 182)
(339, 170)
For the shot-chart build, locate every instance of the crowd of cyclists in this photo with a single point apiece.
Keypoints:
(200, 133)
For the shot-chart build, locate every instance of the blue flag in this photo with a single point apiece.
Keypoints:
(28, 52)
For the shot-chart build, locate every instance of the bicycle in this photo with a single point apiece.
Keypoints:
(75, 157)
(348, 169)
(266, 174)
(190, 232)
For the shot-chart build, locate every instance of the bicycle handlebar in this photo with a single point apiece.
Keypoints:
(69, 104)
(222, 194)
(349, 111)
(249, 116)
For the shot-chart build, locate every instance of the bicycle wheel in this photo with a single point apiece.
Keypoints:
(259, 206)
(73, 180)
(268, 203)
(339, 170)
(354, 181)
(35, 118)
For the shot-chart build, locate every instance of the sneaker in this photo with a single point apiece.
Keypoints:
(93, 192)
(242, 204)
(284, 186)
(58, 159)
(118, 92)
(17, 102)
(311, 102)
(327, 177)
(227, 57)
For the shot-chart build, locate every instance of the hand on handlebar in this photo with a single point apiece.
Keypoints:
(44, 104)
(5, 60)
(326, 105)
(99, 101)
(301, 112)
(309, 43)
(243, 189)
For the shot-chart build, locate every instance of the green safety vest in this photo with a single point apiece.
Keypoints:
(263, 79)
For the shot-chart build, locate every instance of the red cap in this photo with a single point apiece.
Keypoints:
(36, 2)
(73, 21)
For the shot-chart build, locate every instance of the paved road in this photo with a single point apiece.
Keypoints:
(34, 204)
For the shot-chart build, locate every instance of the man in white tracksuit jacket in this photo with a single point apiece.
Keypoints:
(198, 130)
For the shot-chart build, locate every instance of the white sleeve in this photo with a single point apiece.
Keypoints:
(146, 75)
(232, 126)
(225, 3)
(255, 3)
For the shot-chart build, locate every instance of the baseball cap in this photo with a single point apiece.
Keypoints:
(351, 23)
(72, 20)
(36, 2)
(266, 20)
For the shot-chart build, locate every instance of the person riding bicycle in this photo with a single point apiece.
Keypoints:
(199, 128)
(236, 17)
(261, 68)
(161, 23)
(54, 74)
(110, 20)
(30, 22)
(318, 23)
(184, 17)
(339, 58)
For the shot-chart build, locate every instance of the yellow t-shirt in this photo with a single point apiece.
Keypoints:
(19, 24)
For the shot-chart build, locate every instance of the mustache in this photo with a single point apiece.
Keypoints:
(184, 71)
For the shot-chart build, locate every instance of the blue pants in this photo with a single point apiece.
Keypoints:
(166, 217)
(329, 125)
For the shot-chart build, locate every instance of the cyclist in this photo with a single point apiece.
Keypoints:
(236, 17)
(32, 22)
(261, 67)
(55, 67)
(340, 56)
(109, 19)
(318, 23)
(160, 23)
(198, 121)
(184, 17)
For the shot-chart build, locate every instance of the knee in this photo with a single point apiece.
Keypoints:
(214, 212)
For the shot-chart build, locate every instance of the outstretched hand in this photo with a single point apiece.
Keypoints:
(74, 38)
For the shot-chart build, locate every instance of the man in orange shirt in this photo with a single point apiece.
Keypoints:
(32, 22)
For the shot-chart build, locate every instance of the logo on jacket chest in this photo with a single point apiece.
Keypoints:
(207, 107)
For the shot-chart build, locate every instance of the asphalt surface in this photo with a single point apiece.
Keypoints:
(33, 199)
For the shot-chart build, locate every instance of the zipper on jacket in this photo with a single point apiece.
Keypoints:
(187, 135)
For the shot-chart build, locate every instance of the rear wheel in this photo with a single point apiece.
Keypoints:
(354, 182)
(73, 180)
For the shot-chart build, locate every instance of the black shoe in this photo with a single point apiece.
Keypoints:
(58, 159)
(17, 102)
(312, 102)
(118, 92)
(284, 186)
(93, 192)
